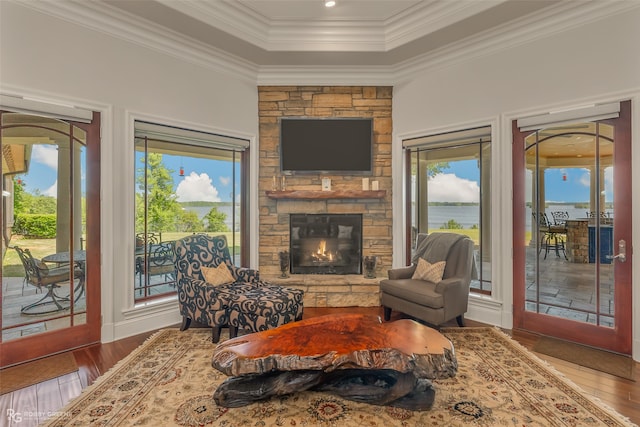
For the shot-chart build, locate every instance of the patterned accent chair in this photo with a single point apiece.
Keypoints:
(247, 303)
(267, 306)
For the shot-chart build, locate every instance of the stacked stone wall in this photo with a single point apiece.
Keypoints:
(276, 102)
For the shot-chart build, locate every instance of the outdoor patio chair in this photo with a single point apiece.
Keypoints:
(38, 274)
(551, 235)
(159, 262)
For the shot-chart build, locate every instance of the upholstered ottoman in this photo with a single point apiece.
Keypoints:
(260, 307)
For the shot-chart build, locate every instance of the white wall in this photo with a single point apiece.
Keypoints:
(594, 63)
(47, 57)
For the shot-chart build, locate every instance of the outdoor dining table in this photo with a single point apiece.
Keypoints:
(79, 258)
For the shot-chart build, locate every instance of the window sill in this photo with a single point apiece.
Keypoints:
(151, 307)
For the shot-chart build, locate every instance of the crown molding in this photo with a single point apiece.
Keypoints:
(289, 35)
(562, 17)
(427, 18)
(102, 18)
(559, 18)
(325, 76)
(284, 35)
(229, 16)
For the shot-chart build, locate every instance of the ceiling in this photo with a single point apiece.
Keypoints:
(305, 32)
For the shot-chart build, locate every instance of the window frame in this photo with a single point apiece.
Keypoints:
(479, 135)
(227, 141)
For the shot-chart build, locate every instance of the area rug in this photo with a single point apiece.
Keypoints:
(600, 360)
(169, 381)
(17, 377)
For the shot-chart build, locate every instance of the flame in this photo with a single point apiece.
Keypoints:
(322, 254)
(322, 248)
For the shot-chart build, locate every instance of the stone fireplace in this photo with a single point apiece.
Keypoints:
(304, 193)
(325, 244)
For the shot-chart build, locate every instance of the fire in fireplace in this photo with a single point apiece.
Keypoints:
(325, 243)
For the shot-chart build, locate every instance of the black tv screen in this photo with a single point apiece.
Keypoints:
(326, 145)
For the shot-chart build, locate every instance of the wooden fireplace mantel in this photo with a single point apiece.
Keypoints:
(320, 195)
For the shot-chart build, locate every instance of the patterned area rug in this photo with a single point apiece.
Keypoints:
(169, 381)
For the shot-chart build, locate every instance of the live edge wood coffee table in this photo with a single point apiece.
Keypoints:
(353, 356)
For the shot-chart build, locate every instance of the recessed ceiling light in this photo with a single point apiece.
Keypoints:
(329, 3)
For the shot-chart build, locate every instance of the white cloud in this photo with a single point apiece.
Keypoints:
(585, 178)
(45, 154)
(447, 187)
(52, 191)
(197, 187)
(224, 180)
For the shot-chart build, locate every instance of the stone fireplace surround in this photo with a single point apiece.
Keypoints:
(347, 196)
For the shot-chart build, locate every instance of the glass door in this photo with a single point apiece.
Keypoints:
(50, 242)
(572, 222)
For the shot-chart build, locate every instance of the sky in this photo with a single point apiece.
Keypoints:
(203, 180)
(211, 180)
(461, 183)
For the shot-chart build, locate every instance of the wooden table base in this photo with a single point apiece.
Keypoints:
(353, 356)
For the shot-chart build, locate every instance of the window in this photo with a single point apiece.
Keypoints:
(450, 191)
(186, 182)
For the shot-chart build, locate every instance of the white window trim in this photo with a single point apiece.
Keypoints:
(131, 309)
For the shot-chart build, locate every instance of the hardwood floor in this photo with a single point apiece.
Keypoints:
(37, 400)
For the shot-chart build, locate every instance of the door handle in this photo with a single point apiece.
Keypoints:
(622, 249)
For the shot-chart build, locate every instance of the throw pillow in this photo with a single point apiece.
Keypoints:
(429, 272)
(344, 231)
(219, 275)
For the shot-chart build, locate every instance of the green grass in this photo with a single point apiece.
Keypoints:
(472, 233)
(12, 266)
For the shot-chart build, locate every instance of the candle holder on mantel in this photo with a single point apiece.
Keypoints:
(284, 263)
(370, 266)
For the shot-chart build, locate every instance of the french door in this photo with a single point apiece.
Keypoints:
(572, 231)
(51, 234)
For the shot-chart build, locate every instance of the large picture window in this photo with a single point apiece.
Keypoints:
(450, 191)
(186, 182)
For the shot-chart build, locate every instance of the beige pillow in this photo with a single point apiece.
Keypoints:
(429, 272)
(219, 275)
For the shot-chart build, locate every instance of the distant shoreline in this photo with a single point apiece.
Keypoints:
(204, 204)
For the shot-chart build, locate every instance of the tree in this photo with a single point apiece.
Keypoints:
(162, 207)
(189, 221)
(433, 168)
(452, 224)
(18, 196)
(215, 220)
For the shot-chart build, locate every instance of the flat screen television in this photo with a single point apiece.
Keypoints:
(331, 146)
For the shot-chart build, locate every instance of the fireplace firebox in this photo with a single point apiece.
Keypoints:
(325, 243)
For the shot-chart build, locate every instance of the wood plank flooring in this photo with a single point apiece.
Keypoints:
(36, 402)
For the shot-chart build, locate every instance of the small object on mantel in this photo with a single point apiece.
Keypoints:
(352, 355)
(326, 184)
(365, 184)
